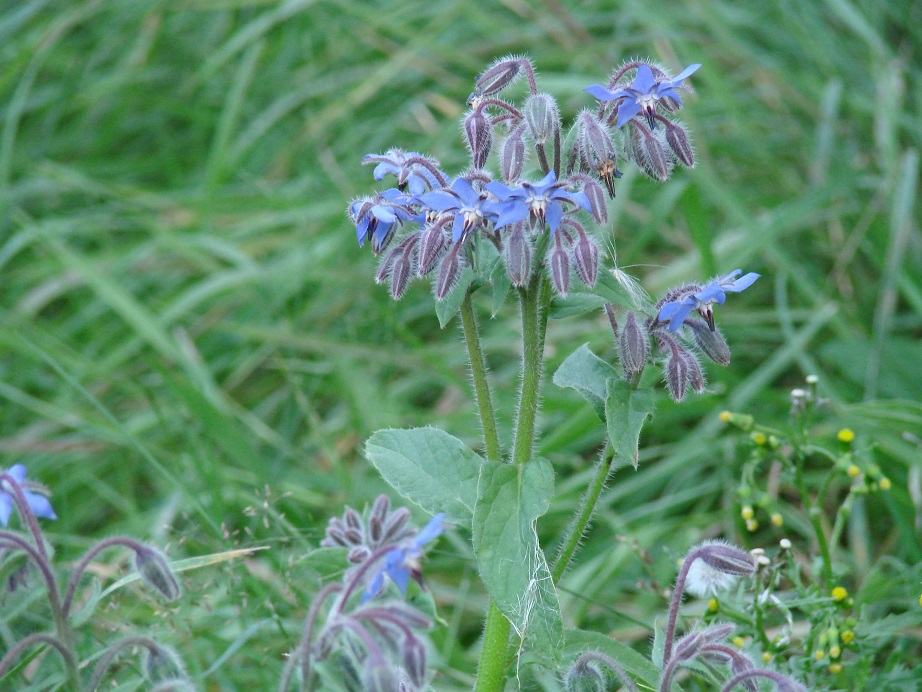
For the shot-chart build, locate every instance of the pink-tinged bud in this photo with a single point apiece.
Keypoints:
(358, 555)
(413, 654)
(542, 116)
(380, 508)
(560, 270)
(400, 276)
(512, 154)
(676, 375)
(688, 646)
(352, 519)
(479, 135)
(431, 247)
(385, 266)
(586, 259)
(648, 153)
(712, 343)
(677, 139)
(695, 375)
(597, 203)
(632, 347)
(517, 255)
(154, 569)
(395, 521)
(498, 76)
(449, 272)
(726, 558)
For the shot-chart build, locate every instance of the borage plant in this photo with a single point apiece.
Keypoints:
(527, 230)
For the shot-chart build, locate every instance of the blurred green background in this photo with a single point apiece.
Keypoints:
(193, 349)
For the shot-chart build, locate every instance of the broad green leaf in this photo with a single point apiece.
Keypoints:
(510, 499)
(626, 410)
(448, 307)
(585, 372)
(634, 664)
(575, 304)
(327, 562)
(611, 290)
(429, 467)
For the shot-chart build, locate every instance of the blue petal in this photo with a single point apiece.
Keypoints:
(627, 110)
(553, 214)
(431, 530)
(500, 191)
(582, 200)
(545, 182)
(417, 184)
(440, 200)
(40, 506)
(361, 229)
(687, 72)
(465, 191)
(383, 168)
(644, 80)
(601, 93)
(18, 471)
(742, 283)
(6, 508)
(383, 214)
(675, 313)
(457, 228)
(666, 91)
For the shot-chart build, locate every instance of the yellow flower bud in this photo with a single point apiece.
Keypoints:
(747, 512)
(835, 668)
(767, 657)
(738, 642)
(819, 654)
(834, 652)
(725, 416)
(853, 471)
(845, 435)
(713, 605)
(777, 519)
(759, 438)
(847, 637)
(885, 483)
(839, 594)
(752, 524)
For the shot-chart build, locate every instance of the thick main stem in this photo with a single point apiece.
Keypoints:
(481, 383)
(534, 326)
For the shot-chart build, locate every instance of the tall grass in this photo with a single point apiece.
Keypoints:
(193, 349)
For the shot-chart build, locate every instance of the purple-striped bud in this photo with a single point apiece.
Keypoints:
(695, 375)
(712, 343)
(648, 152)
(431, 247)
(597, 150)
(479, 135)
(449, 272)
(517, 255)
(676, 368)
(726, 558)
(400, 276)
(677, 139)
(413, 655)
(380, 508)
(559, 262)
(632, 347)
(598, 206)
(358, 555)
(542, 116)
(155, 570)
(512, 154)
(498, 76)
(586, 259)
(385, 266)
(688, 646)
(393, 524)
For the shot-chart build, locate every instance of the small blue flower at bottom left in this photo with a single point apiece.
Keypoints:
(37, 502)
(402, 561)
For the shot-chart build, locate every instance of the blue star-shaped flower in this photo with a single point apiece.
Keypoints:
(675, 312)
(376, 218)
(409, 168)
(471, 208)
(402, 562)
(37, 502)
(541, 199)
(642, 94)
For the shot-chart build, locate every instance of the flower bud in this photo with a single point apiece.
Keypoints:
(431, 247)
(498, 76)
(726, 558)
(648, 153)
(479, 135)
(597, 150)
(400, 276)
(632, 347)
(586, 259)
(695, 375)
(542, 116)
(677, 139)
(560, 270)
(413, 655)
(449, 272)
(153, 569)
(380, 676)
(676, 375)
(597, 203)
(585, 677)
(512, 154)
(162, 664)
(712, 343)
(517, 255)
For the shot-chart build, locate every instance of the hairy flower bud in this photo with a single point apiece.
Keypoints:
(726, 558)
(677, 139)
(586, 259)
(400, 276)
(597, 150)
(154, 569)
(512, 154)
(559, 262)
(695, 375)
(380, 676)
(479, 135)
(413, 655)
(632, 347)
(517, 256)
(498, 76)
(597, 203)
(648, 152)
(449, 272)
(712, 343)
(585, 678)
(676, 368)
(542, 116)
(162, 664)
(431, 246)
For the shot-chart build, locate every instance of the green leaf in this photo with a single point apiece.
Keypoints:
(510, 499)
(611, 290)
(585, 372)
(626, 410)
(635, 664)
(448, 307)
(575, 304)
(429, 467)
(326, 562)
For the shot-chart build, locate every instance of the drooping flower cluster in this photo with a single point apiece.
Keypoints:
(681, 367)
(377, 638)
(536, 220)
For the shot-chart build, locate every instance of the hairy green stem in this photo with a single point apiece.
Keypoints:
(491, 673)
(481, 383)
(581, 520)
(533, 301)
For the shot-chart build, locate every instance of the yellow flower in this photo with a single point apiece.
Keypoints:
(767, 657)
(759, 438)
(752, 524)
(725, 416)
(845, 435)
(839, 594)
(819, 654)
(713, 605)
(885, 483)
(777, 519)
(834, 652)
(747, 512)
(738, 642)
(835, 668)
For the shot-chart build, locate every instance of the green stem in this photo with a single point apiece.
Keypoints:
(533, 300)
(481, 383)
(584, 513)
(814, 511)
(491, 673)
